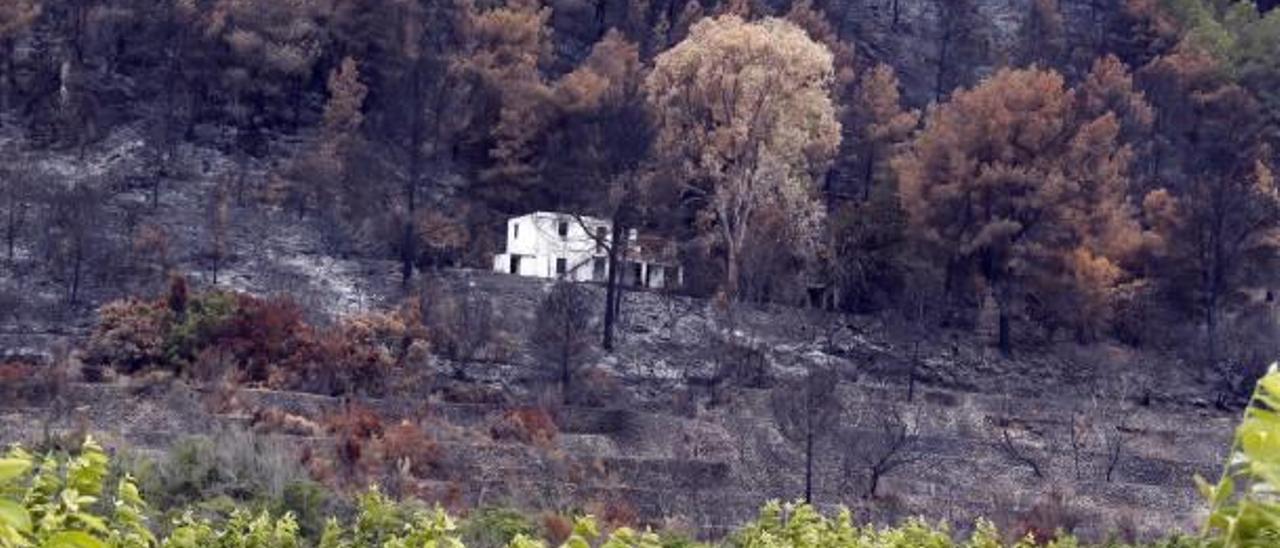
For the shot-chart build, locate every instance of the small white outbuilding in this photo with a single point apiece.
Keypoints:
(547, 244)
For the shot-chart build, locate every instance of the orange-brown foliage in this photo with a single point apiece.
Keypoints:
(615, 513)
(1017, 178)
(130, 335)
(11, 372)
(353, 429)
(557, 528)
(266, 332)
(529, 425)
(275, 420)
(261, 340)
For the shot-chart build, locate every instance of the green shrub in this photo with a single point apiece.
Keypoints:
(201, 323)
(56, 501)
(491, 527)
(310, 502)
(241, 530)
(239, 466)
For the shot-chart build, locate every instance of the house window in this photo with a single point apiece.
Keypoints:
(563, 229)
(561, 266)
(601, 234)
(515, 231)
(598, 269)
(636, 275)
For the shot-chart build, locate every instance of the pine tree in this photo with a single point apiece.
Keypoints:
(1010, 180)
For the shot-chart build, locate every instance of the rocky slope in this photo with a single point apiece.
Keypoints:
(679, 444)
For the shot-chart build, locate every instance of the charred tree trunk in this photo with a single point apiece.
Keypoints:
(808, 466)
(565, 357)
(611, 285)
(11, 228)
(77, 265)
(731, 270)
(408, 243)
(7, 80)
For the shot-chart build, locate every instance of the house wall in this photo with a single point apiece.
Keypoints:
(537, 239)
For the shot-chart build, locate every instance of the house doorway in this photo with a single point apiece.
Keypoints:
(598, 269)
(515, 264)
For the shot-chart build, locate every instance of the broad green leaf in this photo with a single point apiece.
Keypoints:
(14, 515)
(73, 539)
(11, 468)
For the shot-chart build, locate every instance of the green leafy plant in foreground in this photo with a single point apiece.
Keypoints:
(1244, 506)
(52, 502)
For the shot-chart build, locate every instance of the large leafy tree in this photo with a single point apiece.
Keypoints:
(1014, 178)
(744, 110)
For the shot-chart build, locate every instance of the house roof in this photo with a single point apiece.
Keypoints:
(557, 215)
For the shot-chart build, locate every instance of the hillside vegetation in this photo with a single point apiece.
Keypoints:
(54, 500)
(1008, 260)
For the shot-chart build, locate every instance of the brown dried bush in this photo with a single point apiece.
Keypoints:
(13, 372)
(1053, 513)
(528, 425)
(557, 528)
(14, 377)
(470, 392)
(405, 441)
(615, 513)
(273, 420)
(130, 336)
(353, 429)
(254, 340)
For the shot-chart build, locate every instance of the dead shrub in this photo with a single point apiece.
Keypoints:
(599, 389)
(15, 378)
(13, 372)
(615, 513)
(355, 420)
(266, 332)
(527, 425)
(254, 340)
(223, 399)
(212, 365)
(367, 451)
(353, 429)
(557, 528)
(277, 421)
(1053, 513)
(356, 356)
(467, 392)
(459, 326)
(408, 442)
(129, 336)
(151, 383)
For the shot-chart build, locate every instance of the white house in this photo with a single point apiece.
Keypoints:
(547, 244)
